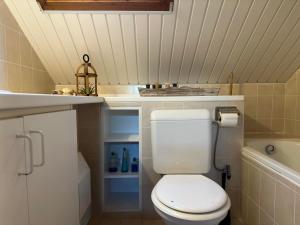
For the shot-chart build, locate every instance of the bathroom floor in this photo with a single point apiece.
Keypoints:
(136, 221)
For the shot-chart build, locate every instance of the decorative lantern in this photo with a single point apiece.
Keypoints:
(89, 88)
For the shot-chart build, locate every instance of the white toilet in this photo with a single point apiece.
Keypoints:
(181, 147)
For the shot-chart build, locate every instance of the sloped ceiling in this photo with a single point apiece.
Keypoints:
(202, 41)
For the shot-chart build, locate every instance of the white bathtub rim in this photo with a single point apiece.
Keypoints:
(269, 163)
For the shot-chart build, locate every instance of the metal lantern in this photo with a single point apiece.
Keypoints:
(89, 88)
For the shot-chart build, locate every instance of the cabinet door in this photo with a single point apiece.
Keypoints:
(13, 190)
(52, 188)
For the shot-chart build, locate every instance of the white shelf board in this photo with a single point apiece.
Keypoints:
(122, 202)
(110, 175)
(122, 138)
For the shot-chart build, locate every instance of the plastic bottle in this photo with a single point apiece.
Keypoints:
(135, 165)
(125, 159)
(113, 163)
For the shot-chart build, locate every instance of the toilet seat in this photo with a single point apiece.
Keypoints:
(182, 211)
(190, 193)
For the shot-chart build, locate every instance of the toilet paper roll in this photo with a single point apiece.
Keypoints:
(229, 119)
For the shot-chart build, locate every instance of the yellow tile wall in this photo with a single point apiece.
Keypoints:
(264, 108)
(20, 67)
(264, 103)
(267, 197)
(292, 106)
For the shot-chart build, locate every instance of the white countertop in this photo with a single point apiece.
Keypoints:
(137, 98)
(24, 100)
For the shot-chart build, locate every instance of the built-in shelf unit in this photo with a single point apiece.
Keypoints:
(121, 128)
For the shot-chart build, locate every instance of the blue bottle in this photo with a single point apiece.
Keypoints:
(135, 165)
(125, 161)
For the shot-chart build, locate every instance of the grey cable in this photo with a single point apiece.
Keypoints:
(215, 147)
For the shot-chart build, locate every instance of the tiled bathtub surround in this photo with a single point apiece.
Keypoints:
(267, 197)
(20, 68)
(229, 147)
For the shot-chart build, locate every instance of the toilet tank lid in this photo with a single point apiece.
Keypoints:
(182, 114)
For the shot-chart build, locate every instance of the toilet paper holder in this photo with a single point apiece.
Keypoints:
(225, 109)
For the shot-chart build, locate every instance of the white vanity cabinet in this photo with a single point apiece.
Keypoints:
(48, 195)
(13, 196)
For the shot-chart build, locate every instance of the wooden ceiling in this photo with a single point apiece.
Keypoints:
(202, 41)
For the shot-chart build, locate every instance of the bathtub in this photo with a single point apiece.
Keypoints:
(270, 183)
(285, 160)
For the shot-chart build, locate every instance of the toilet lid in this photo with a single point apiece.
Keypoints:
(190, 193)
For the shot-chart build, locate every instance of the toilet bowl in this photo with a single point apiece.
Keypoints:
(190, 200)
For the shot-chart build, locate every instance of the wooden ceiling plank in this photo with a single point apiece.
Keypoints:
(142, 46)
(197, 21)
(222, 28)
(235, 27)
(128, 32)
(155, 28)
(286, 30)
(252, 19)
(256, 37)
(180, 38)
(285, 48)
(94, 49)
(208, 30)
(270, 35)
(167, 43)
(104, 41)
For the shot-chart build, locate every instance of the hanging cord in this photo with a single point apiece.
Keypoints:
(226, 172)
(226, 169)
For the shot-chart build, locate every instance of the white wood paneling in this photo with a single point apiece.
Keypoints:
(202, 41)
(180, 37)
(154, 46)
(142, 42)
(130, 47)
(94, 48)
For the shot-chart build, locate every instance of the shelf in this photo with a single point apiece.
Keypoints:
(109, 175)
(122, 202)
(122, 138)
(121, 129)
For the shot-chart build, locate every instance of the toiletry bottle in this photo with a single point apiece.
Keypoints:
(135, 165)
(125, 160)
(113, 163)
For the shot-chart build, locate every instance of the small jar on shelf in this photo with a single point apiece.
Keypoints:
(113, 163)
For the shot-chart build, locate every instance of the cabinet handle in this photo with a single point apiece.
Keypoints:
(28, 138)
(42, 146)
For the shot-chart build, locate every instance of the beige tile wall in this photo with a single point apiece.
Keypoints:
(264, 108)
(20, 67)
(292, 106)
(264, 103)
(229, 148)
(267, 197)
(88, 126)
